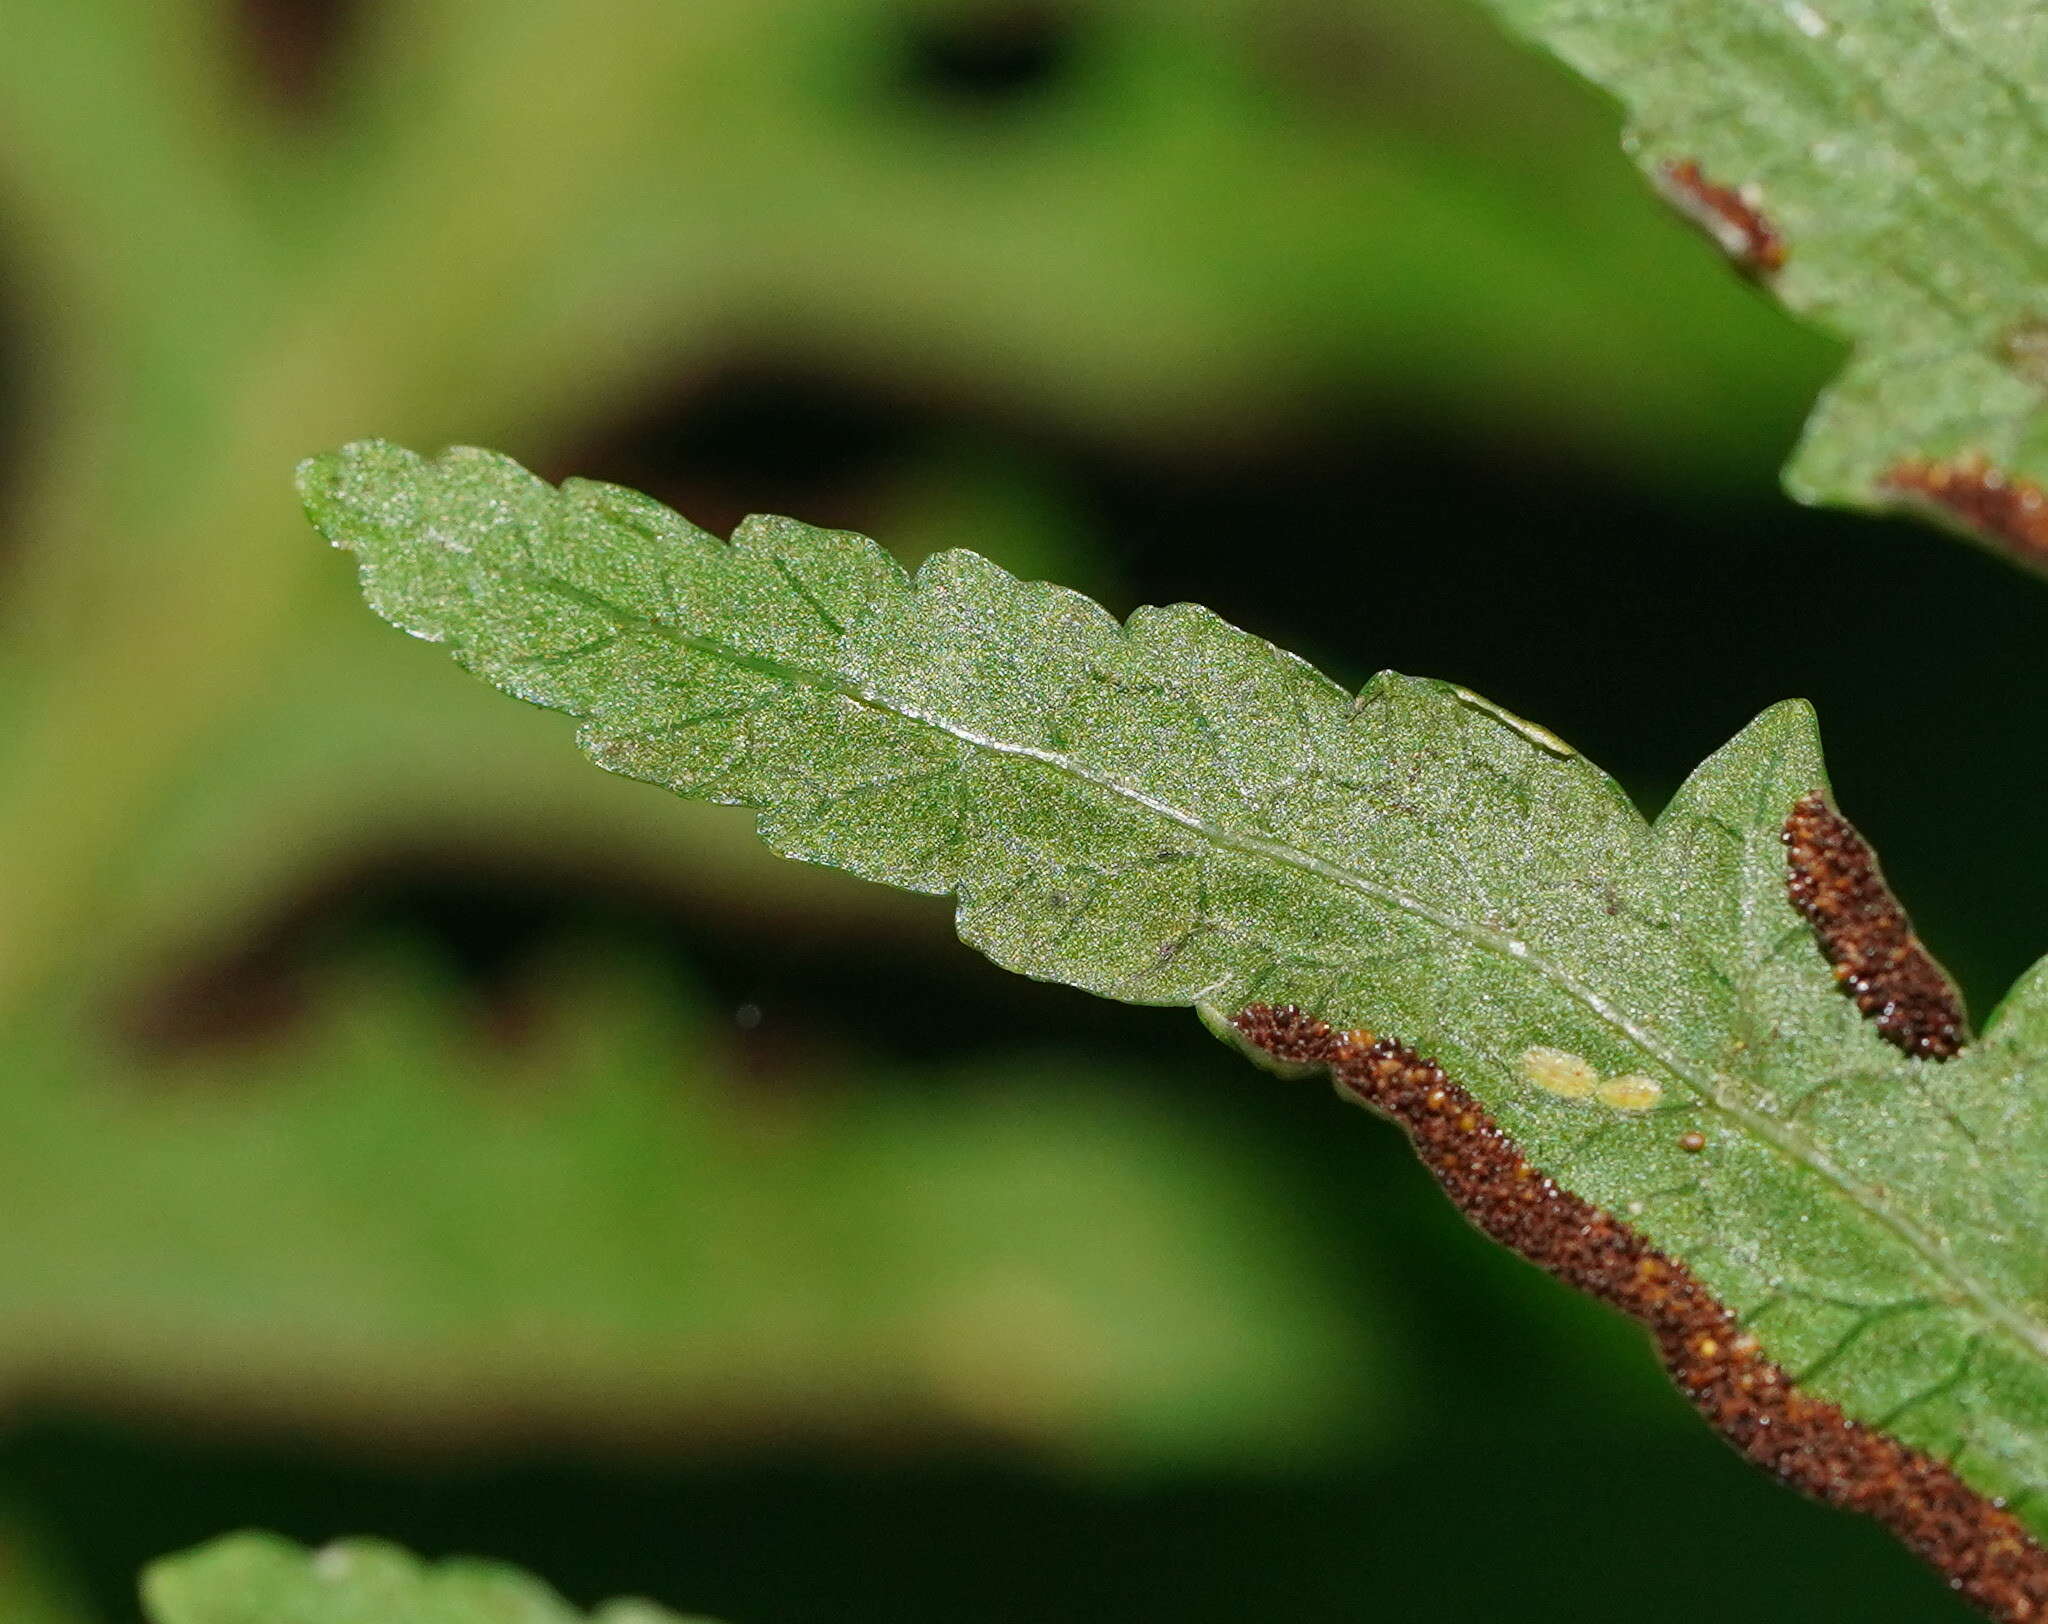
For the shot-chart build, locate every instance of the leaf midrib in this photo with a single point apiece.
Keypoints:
(1995, 1313)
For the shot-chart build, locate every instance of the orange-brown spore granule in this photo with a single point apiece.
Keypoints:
(1750, 241)
(1973, 492)
(1982, 1550)
(1832, 878)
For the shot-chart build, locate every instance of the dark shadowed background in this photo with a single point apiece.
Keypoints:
(407, 1129)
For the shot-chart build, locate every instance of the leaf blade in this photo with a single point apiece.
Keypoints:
(1169, 810)
(1899, 152)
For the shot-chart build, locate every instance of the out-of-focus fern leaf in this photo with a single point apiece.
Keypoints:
(261, 1579)
(1899, 149)
(1170, 810)
(390, 1223)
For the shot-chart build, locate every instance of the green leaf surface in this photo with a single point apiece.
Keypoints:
(1900, 147)
(1170, 810)
(261, 1579)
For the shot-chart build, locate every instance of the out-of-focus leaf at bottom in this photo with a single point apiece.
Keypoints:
(398, 1226)
(261, 1579)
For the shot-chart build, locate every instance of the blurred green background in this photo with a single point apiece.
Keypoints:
(406, 1129)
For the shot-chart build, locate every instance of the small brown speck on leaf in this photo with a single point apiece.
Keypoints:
(1975, 493)
(1727, 214)
(1692, 1142)
(1833, 879)
(1981, 1549)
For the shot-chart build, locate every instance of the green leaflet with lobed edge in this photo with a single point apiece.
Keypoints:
(1172, 811)
(262, 1579)
(1901, 149)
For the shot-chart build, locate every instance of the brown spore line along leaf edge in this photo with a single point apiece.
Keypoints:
(1972, 492)
(1981, 1549)
(1833, 879)
(1730, 215)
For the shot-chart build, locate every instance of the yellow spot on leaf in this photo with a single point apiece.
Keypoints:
(1630, 1093)
(1563, 1073)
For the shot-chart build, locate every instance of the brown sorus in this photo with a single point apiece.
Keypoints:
(1832, 877)
(1725, 214)
(1972, 491)
(1983, 1551)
